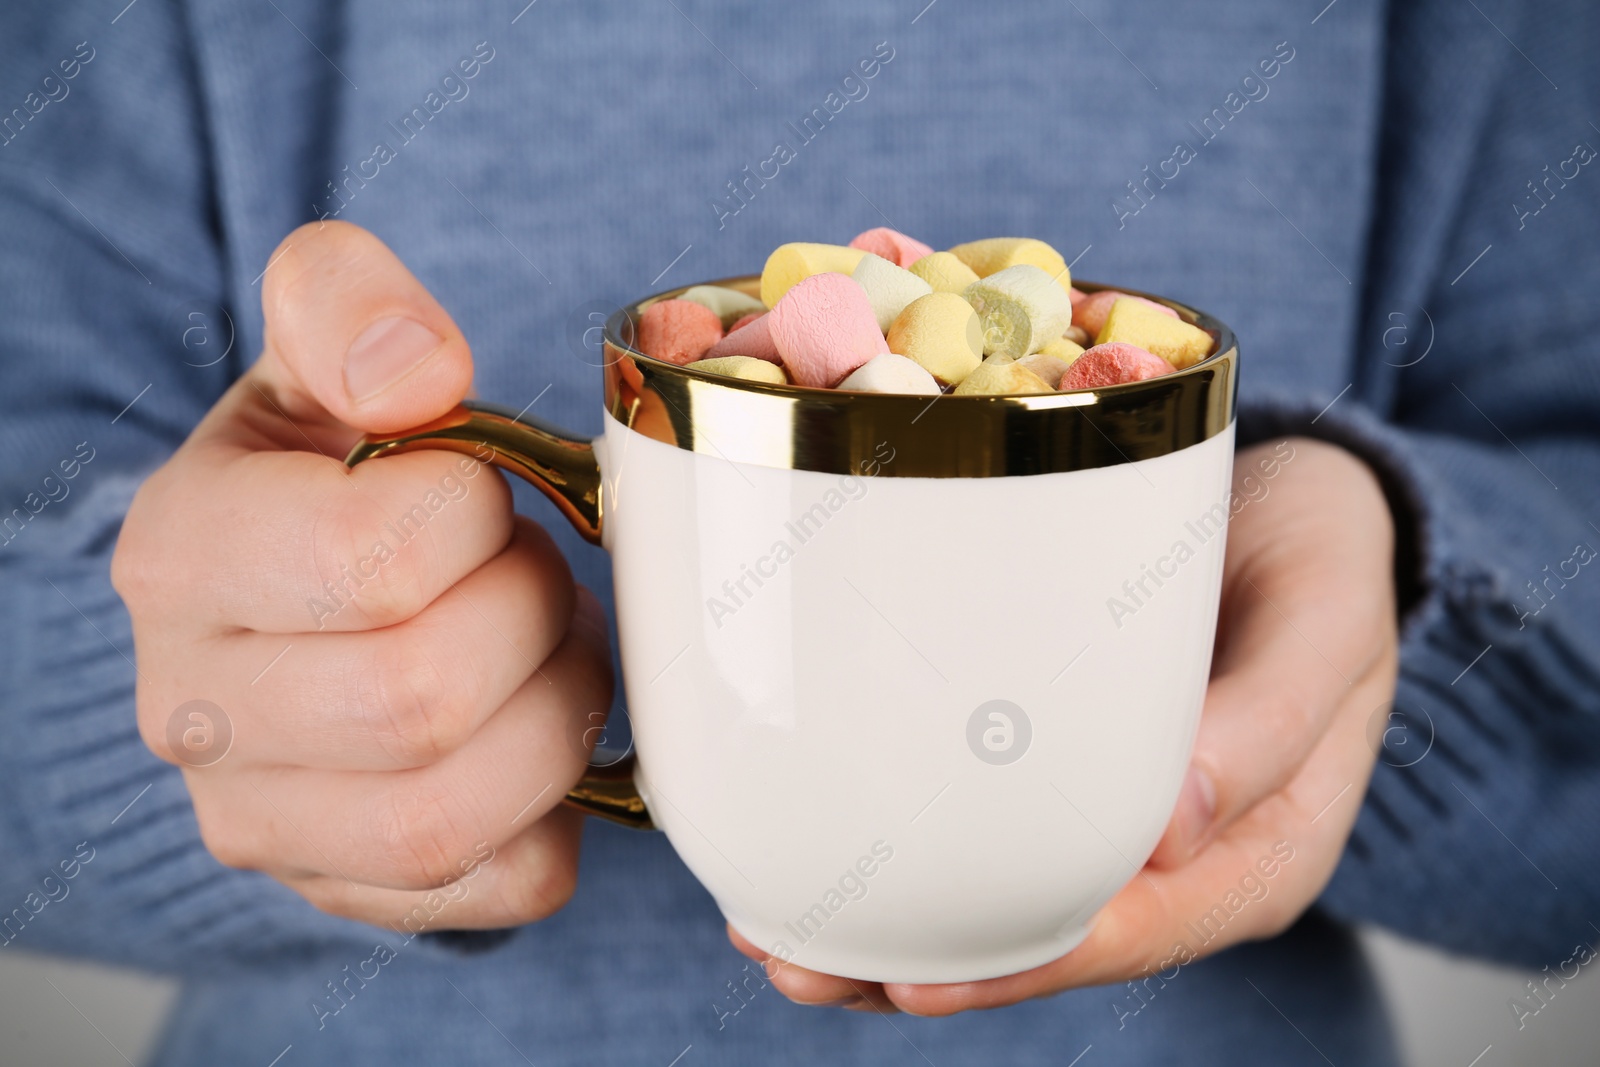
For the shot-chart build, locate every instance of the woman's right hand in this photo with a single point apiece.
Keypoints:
(401, 663)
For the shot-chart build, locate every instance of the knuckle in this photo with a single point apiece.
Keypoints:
(545, 890)
(334, 896)
(126, 572)
(355, 566)
(326, 896)
(556, 887)
(414, 708)
(153, 731)
(139, 562)
(419, 835)
(226, 845)
(400, 588)
(1284, 723)
(1298, 714)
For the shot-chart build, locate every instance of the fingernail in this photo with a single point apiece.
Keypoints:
(1198, 807)
(384, 353)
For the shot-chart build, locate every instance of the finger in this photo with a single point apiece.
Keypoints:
(406, 695)
(338, 305)
(1294, 649)
(812, 988)
(523, 880)
(291, 542)
(352, 335)
(1316, 810)
(353, 343)
(406, 829)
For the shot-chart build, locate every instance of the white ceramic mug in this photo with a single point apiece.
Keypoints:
(913, 683)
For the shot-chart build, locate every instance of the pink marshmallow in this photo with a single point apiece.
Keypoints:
(745, 320)
(1090, 312)
(1112, 364)
(824, 328)
(892, 245)
(678, 331)
(1076, 295)
(754, 338)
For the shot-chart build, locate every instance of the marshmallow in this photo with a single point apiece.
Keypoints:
(890, 288)
(1063, 349)
(891, 373)
(1022, 309)
(1090, 312)
(754, 339)
(1138, 323)
(943, 272)
(1048, 367)
(892, 245)
(792, 263)
(995, 254)
(729, 304)
(1113, 364)
(747, 368)
(888, 315)
(824, 328)
(940, 332)
(1002, 376)
(677, 331)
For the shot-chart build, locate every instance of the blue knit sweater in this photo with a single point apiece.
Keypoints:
(1400, 220)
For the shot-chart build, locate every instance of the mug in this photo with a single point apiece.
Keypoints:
(913, 681)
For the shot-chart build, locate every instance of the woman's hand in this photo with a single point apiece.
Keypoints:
(398, 662)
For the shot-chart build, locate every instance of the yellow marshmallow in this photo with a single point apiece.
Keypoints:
(793, 263)
(995, 254)
(940, 331)
(1174, 340)
(1002, 376)
(1064, 349)
(943, 272)
(746, 368)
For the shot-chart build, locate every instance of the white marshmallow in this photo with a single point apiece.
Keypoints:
(1022, 309)
(890, 288)
(890, 373)
(729, 304)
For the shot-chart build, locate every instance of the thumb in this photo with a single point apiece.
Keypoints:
(353, 338)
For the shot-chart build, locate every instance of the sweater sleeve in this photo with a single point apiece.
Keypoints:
(115, 341)
(1476, 398)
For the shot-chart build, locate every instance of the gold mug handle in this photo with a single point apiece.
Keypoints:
(564, 468)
